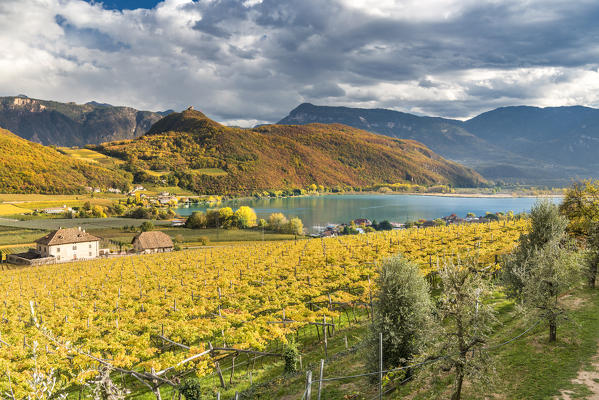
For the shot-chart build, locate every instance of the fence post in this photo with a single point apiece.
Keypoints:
(320, 379)
(308, 385)
(324, 331)
(381, 366)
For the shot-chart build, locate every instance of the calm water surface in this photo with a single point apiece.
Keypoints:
(317, 211)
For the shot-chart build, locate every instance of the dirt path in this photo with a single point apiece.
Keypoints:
(590, 379)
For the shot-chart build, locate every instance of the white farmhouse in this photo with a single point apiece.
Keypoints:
(69, 245)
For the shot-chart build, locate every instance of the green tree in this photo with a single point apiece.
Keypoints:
(98, 212)
(543, 266)
(581, 207)
(466, 324)
(295, 226)
(146, 226)
(547, 226)
(384, 226)
(196, 220)
(555, 270)
(402, 313)
(277, 222)
(245, 217)
(225, 216)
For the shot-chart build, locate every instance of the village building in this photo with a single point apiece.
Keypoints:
(62, 245)
(152, 242)
(167, 199)
(57, 210)
(363, 221)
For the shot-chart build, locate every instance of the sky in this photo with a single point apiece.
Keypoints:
(252, 61)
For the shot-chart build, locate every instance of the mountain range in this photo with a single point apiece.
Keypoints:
(520, 144)
(200, 154)
(511, 144)
(70, 124)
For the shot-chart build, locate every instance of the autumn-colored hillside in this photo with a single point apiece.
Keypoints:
(280, 156)
(27, 167)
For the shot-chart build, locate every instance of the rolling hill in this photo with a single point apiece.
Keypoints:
(281, 157)
(70, 124)
(27, 167)
(512, 144)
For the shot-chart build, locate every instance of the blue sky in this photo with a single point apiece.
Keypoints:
(126, 4)
(252, 61)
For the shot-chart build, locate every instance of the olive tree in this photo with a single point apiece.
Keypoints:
(402, 313)
(543, 266)
(547, 226)
(466, 322)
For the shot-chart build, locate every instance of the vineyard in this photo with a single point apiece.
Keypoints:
(208, 304)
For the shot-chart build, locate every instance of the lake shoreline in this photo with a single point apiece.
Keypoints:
(370, 193)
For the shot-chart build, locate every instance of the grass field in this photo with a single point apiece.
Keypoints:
(210, 171)
(26, 231)
(90, 156)
(39, 201)
(86, 223)
(10, 209)
(13, 236)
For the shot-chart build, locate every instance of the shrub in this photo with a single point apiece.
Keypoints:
(191, 389)
(291, 356)
(146, 226)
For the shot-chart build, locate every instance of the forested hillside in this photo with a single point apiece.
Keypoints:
(184, 145)
(27, 167)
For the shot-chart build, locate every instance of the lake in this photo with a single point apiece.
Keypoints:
(318, 211)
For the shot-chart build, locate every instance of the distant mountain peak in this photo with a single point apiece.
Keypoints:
(551, 144)
(70, 124)
(96, 104)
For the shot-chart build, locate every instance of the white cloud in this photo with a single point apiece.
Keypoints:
(253, 61)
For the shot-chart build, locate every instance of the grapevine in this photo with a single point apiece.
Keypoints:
(244, 297)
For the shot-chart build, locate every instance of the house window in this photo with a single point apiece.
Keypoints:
(58, 249)
(74, 247)
(58, 258)
(90, 246)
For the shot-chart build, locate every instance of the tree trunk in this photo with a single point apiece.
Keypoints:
(552, 331)
(592, 275)
(457, 394)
